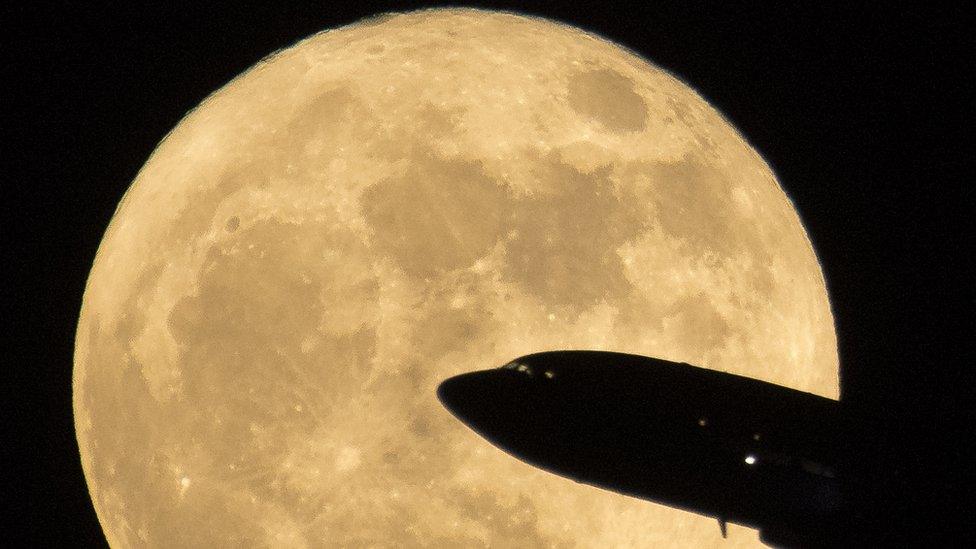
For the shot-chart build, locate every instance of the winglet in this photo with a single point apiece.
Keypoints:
(722, 527)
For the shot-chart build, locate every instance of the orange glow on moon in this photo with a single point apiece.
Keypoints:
(381, 206)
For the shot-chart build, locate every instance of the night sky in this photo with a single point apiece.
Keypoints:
(858, 112)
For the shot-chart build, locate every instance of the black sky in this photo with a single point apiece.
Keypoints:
(858, 111)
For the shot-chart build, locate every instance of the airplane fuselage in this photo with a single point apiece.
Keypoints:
(737, 449)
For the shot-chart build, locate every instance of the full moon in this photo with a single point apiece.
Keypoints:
(309, 252)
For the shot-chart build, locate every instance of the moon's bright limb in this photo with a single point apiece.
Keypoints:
(385, 205)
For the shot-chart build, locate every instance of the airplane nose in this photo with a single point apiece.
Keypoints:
(511, 408)
(455, 392)
(489, 401)
(468, 394)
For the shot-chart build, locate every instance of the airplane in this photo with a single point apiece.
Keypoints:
(714, 443)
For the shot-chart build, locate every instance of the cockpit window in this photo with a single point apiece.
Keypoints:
(519, 367)
(527, 370)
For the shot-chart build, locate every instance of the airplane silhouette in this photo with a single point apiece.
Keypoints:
(721, 445)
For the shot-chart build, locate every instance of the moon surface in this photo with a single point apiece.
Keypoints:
(380, 206)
